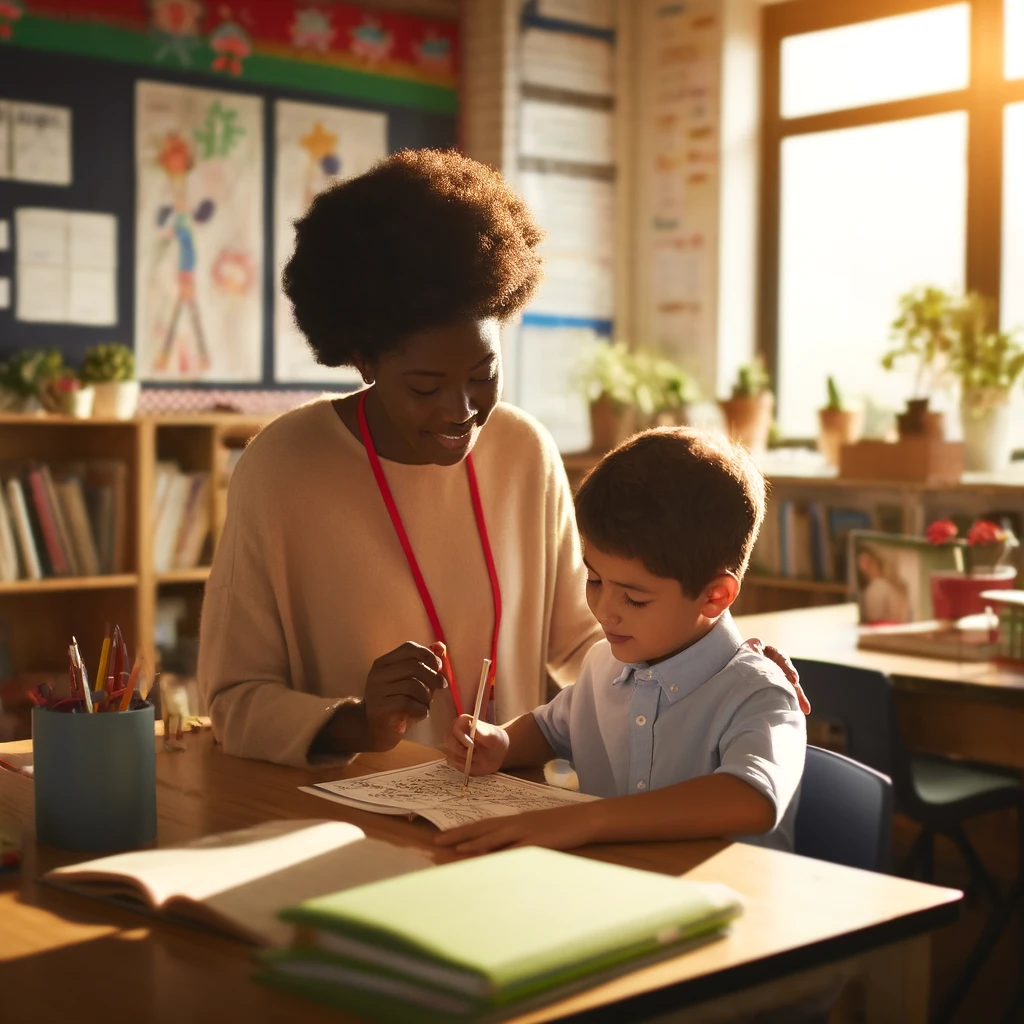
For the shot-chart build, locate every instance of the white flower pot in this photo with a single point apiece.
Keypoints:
(79, 403)
(985, 416)
(116, 400)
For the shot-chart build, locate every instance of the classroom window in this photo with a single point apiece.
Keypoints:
(908, 55)
(1013, 36)
(890, 160)
(866, 213)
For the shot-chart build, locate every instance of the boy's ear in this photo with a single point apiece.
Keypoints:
(719, 595)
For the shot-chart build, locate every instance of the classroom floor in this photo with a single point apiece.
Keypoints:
(989, 999)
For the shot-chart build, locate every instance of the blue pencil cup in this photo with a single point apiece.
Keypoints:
(95, 779)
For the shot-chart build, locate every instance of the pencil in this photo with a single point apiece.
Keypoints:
(126, 697)
(484, 673)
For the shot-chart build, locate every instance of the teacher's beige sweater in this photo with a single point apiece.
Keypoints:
(310, 585)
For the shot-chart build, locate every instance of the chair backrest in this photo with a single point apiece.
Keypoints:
(860, 701)
(845, 812)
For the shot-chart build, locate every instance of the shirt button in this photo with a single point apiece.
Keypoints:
(673, 688)
(640, 720)
(641, 784)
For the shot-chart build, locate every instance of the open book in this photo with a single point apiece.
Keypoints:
(434, 791)
(237, 882)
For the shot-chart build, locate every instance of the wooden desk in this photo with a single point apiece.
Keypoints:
(67, 957)
(960, 708)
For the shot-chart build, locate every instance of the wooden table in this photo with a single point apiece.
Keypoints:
(968, 709)
(65, 957)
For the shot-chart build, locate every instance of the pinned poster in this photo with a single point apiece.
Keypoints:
(316, 146)
(592, 13)
(558, 131)
(40, 143)
(562, 60)
(198, 234)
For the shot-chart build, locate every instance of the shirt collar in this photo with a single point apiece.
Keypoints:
(684, 672)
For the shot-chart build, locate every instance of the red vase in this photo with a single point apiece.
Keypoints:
(955, 595)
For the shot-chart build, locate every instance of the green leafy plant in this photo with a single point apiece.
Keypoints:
(106, 364)
(641, 379)
(924, 334)
(835, 399)
(752, 379)
(23, 373)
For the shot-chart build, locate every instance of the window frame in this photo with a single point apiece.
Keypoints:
(984, 100)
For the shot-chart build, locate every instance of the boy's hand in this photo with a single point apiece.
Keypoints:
(559, 828)
(788, 670)
(491, 746)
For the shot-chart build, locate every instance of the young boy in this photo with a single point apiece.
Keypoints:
(688, 732)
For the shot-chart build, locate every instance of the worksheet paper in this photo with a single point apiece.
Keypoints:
(66, 267)
(40, 143)
(434, 791)
(560, 60)
(557, 131)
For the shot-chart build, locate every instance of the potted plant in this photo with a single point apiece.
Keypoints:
(980, 560)
(988, 363)
(111, 371)
(22, 375)
(66, 394)
(838, 425)
(924, 333)
(748, 411)
(665, 387)
(610, 384)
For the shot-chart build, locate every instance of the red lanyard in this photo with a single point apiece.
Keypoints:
(410, 557)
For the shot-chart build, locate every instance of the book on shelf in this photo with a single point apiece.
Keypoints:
(46, 509)
(181, 517)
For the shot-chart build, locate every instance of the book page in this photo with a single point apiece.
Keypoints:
(238, 881)
(434, 791)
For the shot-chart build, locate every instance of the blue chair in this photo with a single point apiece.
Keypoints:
(939, 794)
(845, 812)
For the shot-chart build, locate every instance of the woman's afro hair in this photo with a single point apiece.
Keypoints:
(424, 239)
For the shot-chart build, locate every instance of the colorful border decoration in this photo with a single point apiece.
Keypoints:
(315, 45)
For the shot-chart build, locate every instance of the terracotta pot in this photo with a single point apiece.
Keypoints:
(955, 594)
(918, 420)
(610, 424)
(749, 420)
(836, 428)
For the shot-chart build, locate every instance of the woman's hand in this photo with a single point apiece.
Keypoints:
(399, 689)
(491, 746)
(788, 670)
(559, 828)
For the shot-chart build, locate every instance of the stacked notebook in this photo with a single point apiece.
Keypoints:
(490, 937)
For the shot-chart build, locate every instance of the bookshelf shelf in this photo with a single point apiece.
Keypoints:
(198, 575)
(795, 583)
(70, 583)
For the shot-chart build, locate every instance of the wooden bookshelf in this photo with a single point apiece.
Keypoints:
(38, 617)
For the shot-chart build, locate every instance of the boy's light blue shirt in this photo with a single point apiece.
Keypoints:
(718, 706)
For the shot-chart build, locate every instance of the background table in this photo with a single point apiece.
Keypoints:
(805, 922)
(969, 709)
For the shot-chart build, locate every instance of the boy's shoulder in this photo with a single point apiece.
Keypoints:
(600, 665)
(750, 672)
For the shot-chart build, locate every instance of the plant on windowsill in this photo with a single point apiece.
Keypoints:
(749, 409)
(980, 560)
(924, 335)
(610, 384)
(664, 388)
(66, 394)
(988, 363)
(838, 425)
(111, 371)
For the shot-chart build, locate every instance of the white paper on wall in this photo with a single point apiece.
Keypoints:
(316, 145)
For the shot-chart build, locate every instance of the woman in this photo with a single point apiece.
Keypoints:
(315, 631)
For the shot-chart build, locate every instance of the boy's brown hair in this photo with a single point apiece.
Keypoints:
(687, 503)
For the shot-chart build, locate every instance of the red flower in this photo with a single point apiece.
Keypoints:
(984, 532)
(941, 532)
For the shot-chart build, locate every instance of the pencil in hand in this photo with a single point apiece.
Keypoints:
(485, 671)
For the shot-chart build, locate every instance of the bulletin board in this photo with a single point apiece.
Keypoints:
(101, 95)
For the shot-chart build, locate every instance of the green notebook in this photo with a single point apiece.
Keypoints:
(481, 934)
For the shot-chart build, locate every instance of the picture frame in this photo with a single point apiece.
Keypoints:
(889, 576)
